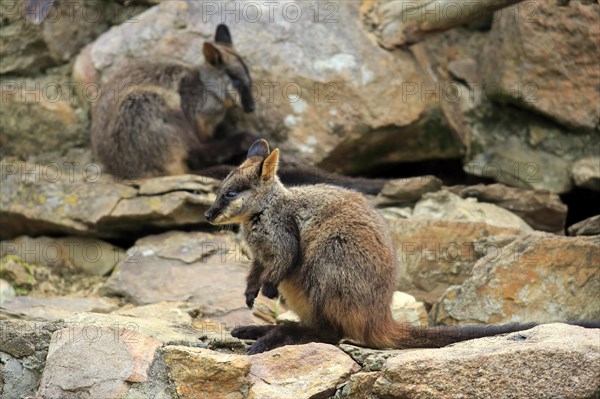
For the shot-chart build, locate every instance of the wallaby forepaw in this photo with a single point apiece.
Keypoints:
(250, 297)
(270, 290)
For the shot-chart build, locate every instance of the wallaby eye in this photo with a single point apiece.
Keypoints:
(231, 194)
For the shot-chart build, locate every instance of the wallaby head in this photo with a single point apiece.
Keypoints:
(223, 57)
(245, 190)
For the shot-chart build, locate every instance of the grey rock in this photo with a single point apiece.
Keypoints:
(400, 192)
(53, 308)
(586, 227)
(586, 173)
(541, 210)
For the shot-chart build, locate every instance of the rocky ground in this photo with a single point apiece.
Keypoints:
(120, 289)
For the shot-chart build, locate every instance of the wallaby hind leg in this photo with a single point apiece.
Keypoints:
(293, 334)
(251, 331)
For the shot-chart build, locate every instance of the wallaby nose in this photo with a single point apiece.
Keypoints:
(208, 214)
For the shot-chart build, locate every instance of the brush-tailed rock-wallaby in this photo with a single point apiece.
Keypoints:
(330, 255)
(158, 117)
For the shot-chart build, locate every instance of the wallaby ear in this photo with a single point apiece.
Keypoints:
(260, 148)
(270, 165)
(223, 35)
(212, 54)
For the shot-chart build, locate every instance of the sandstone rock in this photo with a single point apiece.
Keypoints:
(345, 93)
(202, 373)
(444, 205)
(435, 254)
(537, 50)
(400, 192)
(587, 227)
(23, 350)
(35, 200)
(53, 308)
(500, 367)
(586, 173)
(406, 309)
(87, 255)
(202, 268)
(541, 210)
(96, 361)
(537, 277)
(300, 371)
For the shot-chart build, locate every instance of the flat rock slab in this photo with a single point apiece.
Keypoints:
(53, 308)
(96, 205)
(548, 361)
(201, 268)
(297, 371)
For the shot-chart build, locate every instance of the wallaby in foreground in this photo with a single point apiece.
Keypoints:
(329, 254)
(158, 117)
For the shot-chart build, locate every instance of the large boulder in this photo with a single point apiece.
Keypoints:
(542, 56)
(536, 277)
(554, 360)
(320, 87)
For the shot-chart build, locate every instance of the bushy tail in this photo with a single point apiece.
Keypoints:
(436, 337)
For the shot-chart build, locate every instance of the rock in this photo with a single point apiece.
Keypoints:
(87, 255)
(369, 359)
(524, 70)
(40, 113)
(444, 205)
(502, 142)
(586, 173)
(400, 192)
(174, 312)
(297, 371)
(586, 227)
(541, 210)
(169, 332)
(201, 268)
(435, 254)
(504, 163)
(500, 367)
(96, 361)
(359, 386)
(7, 292)
(288, 317)
(53, 308)
(406, 309)
(300, 371)
(537, 277)
(35, 202)
(15, 271)
(202, 373)
(23, 350)
(345, 95)
(28, 47)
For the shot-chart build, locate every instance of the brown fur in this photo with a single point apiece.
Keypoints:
(158, 117)
(330, 255)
